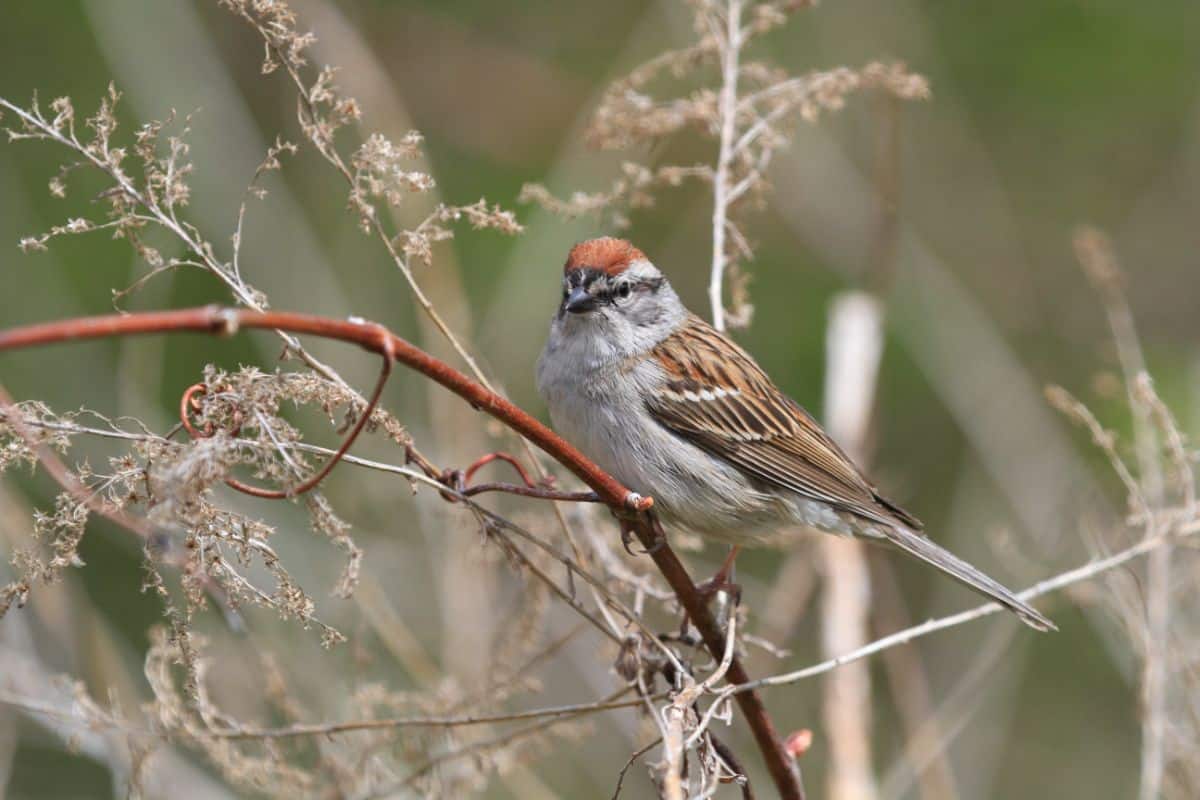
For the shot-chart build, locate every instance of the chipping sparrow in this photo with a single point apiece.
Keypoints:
(675, 409)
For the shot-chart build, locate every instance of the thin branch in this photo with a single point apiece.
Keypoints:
(689, 697)
(486, 744)
(537, 492)
(34, 706)
(726, 754)
(1062, 400)
(484, 460)
(226, 322)
(1063, 580)
(637, 754)
(611, 631)
(334, 728)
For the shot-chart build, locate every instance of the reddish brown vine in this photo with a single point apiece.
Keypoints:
(377, 339)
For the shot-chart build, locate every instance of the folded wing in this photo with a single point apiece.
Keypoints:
(731, 409)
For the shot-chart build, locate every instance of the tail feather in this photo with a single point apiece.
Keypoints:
(928, 551)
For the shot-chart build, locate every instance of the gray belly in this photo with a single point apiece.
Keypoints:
(601, 412)
(691, 489)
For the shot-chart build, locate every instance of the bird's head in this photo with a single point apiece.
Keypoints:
(611, 291)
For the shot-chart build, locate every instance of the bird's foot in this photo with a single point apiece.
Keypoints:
(716, 585)
(627, 535)
(722, 581)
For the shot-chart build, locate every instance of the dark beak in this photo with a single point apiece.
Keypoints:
(579, 301)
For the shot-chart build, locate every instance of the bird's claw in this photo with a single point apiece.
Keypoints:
(716, 585)
(627, 535)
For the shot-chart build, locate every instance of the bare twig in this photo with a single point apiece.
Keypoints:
(730, 53)
(636, 755)
(1062, 400)
(689, 696)
(1084, 572)
(534, 491)
(333, 728)
(486, 744)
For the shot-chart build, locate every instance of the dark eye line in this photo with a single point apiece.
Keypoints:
(608, 291)
(637, 285)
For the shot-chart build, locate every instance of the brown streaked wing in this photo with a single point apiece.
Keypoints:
(719, 399)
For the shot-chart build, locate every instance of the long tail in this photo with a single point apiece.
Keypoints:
(925, 549)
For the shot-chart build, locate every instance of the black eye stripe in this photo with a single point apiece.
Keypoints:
(607, 290)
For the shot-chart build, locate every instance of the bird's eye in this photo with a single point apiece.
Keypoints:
(623, 290)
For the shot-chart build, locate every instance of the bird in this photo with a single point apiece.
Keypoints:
(675, 409)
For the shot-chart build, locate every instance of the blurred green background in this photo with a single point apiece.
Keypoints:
(1045, 114)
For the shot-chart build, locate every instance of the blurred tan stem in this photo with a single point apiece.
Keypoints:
(854, 348)
(926, 737)
(854, 345)
(1099, 262)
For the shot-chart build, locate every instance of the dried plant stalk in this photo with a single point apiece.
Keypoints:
(743, 107)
